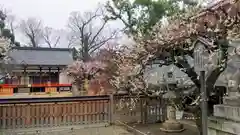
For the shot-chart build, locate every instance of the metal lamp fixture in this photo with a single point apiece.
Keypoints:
(199, 65)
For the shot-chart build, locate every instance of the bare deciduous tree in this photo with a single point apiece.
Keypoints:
(50, 39)
(11, 22)
(85, 33)
(8, 25)
(32, 28)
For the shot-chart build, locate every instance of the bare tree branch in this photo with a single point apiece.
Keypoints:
(32, 29)
(85, 33)
(11, 23)
(71, 40)
(49, 37)
(98, 32)
(97, 45)
(79, 26)
(46, 35)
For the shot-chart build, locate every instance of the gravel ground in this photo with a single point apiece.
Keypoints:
(154, 129)
(108, 130)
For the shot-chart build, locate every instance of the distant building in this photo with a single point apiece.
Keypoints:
(171, 74)
(38, 69)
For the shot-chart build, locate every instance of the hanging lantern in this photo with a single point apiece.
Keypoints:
(198, 57)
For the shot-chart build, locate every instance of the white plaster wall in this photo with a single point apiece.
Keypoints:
(64, 79)
(24, 80)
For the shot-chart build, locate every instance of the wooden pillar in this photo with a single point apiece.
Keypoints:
(24, 75)
(58, 69)
(11, 81)
(49, 69)
(40, 75)
(111, 111)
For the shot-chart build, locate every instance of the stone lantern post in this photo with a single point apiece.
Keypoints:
(171, 124)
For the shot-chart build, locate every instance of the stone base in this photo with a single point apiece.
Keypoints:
(233, 101)
(172, 126)
(228, 112)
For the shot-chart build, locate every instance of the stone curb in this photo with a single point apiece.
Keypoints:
(129, 128)
(189, 123)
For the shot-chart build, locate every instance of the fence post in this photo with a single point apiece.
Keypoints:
(111, 111)
(146, 109)
(164, 109)
(28, 115)
(141, 109)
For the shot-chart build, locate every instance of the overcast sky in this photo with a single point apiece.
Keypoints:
(54, 13)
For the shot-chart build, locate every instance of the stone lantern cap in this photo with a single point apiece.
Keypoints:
(170, 95)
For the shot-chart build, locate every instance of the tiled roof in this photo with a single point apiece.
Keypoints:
(41, 56)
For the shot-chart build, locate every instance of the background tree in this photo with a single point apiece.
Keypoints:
(142, 15)
(4, 28)
(50, 39)
(5, 32)
(11, 22)
(86, 34)
(32, 29)
(106, 55)
(82, 72)
(7, 41)
(95, 73)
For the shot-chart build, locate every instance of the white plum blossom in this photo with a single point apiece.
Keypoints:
(180, 34)
(5, 59)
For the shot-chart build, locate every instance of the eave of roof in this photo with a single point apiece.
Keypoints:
(42, 48)
(41, 56)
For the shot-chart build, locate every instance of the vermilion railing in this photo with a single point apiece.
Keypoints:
(34, 85)
(8, 89)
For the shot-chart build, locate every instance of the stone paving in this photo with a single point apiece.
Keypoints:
(135, 129)
(111, 130)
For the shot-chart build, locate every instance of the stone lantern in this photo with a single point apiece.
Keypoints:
(171, 124)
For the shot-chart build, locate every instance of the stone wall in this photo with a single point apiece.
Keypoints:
(226, 117)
